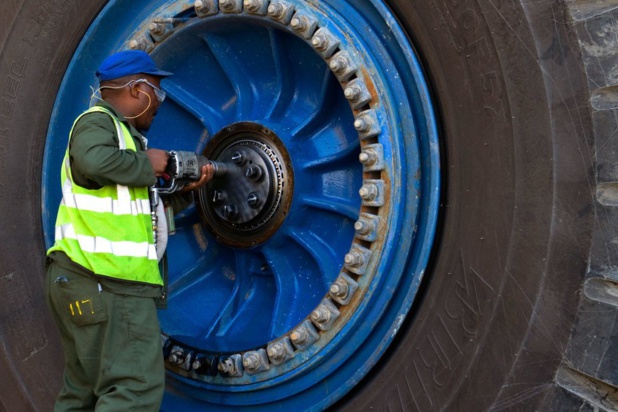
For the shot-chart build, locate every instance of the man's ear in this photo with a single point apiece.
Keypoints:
(134, 90)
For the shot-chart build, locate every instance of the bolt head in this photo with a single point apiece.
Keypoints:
(251, 5)
(299, 23)
(320, 315)
(217, 197)
(319, 42)
(253, 200)
(251, 361)
(276, 351)
(201, 5)
(299, 336)
(226, 4)
(275, 10)
(239, 158)
(253, 172)
(339, 289)
(367, 157)
(368, 192)
(352, 93)
(227, 366)
(338, 65)
(362, 125)
(353, 258)
(362, 227)
(230, 211)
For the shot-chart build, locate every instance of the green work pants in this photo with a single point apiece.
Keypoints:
(112, 346)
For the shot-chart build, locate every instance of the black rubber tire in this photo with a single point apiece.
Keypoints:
(527, 217)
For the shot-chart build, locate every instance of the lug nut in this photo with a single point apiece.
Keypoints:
(141, 43)
(343, 289)
(239, 158)
(230, 211)
(362, 227)
(338, 64)
(259, 7)
(251, 361)
(352, 93)
(299, 23)
(177, 356)
(156, 28)
(218, 197)
(366, 227)
(227, 367)
(300, 335)
(252, 5)
(253, 200)
(353, 259)
(254, 173)
(276, 10)
(276, 351)
(362, 125)
(226, 4)
(320, 315)
(196, 364)
(368, 157)
(357, 93)
(367, 125)
(319, 42)
(325, 315)
(339, 289)
(175, 359)
(368, 192)
(203, 7)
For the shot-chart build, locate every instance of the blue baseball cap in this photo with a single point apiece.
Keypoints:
(126, 63)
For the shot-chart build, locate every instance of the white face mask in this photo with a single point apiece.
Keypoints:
(96, 93)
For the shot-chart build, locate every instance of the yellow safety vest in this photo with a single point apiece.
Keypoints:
(108, 230)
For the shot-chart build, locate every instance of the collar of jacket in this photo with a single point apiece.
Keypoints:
(134, 132)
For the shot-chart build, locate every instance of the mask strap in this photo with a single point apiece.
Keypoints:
(96, 95)
(148, 107)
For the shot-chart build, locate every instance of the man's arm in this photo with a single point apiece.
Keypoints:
(96, 158)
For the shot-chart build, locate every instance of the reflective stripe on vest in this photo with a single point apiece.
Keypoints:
(107, 230)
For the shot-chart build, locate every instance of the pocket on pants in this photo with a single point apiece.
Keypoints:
(82, 300)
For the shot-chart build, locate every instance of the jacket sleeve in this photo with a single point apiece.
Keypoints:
(97, 161)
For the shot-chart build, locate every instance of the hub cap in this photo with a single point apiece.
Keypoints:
(246, 206)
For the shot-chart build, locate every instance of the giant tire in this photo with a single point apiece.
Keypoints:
(517, 305)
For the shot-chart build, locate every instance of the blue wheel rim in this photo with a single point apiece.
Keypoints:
(242, 66)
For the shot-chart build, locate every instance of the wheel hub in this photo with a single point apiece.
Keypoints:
(246, 206)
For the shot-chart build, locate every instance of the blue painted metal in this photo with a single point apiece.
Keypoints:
(231, 68)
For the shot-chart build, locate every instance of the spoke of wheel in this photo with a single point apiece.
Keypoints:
(207, 255)
(323, 254)
(210, 118)
(226, 56)
(296, 290)
(324, 109)
(225, 319)
(335, 161)
(339, 206)
(284, 79)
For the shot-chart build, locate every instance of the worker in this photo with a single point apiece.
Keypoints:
(103, 272)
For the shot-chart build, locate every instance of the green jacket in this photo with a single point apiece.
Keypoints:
(96, 161)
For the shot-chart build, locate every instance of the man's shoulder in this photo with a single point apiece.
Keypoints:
(94, 119)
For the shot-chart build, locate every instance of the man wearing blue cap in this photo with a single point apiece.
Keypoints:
(103, 281)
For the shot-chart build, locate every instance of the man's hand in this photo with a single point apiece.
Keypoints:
(208, 171)
(158, 160)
